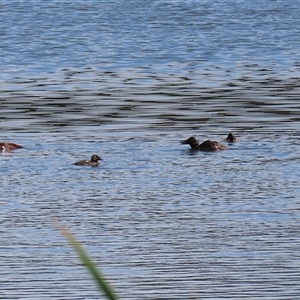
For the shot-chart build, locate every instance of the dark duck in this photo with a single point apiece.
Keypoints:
(93, 162)
(204, 146)
(231, 138)
(9, 146)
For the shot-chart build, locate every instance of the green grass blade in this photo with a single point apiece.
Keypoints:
(88, 263)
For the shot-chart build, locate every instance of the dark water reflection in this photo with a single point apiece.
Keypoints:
(134, 100)
(162, 222)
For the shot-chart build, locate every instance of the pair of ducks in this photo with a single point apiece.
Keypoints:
(209, 145)
(94, 162)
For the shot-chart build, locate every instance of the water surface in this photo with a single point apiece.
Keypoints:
(128, 80)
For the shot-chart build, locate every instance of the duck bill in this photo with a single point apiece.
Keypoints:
(183, 142)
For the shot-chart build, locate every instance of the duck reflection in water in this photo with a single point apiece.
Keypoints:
(204, 146)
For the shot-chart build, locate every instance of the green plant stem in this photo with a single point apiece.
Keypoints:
(88, 263)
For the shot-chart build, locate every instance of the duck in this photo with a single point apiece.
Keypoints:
(231, 138)
(93, 162)
(9, 146)
(204, 146)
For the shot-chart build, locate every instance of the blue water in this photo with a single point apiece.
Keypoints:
(128, 80)
(40, 36)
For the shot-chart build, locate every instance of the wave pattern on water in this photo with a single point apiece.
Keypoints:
(136, 101)
(128, 80)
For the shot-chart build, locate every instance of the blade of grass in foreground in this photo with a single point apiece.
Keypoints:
(88, 263)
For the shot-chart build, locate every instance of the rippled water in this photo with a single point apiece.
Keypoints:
(128, 81)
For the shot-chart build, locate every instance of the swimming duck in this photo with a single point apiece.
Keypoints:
(205, 146)
(231, 138)
(9, 146)
(93, 162)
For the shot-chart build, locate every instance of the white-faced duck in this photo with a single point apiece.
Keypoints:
(93, 162)
(205, 146)
(9, 146)
(231, 138)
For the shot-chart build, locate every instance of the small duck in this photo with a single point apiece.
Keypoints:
(231, 138)
(93, 162)
(205, 146)
(9, 146)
